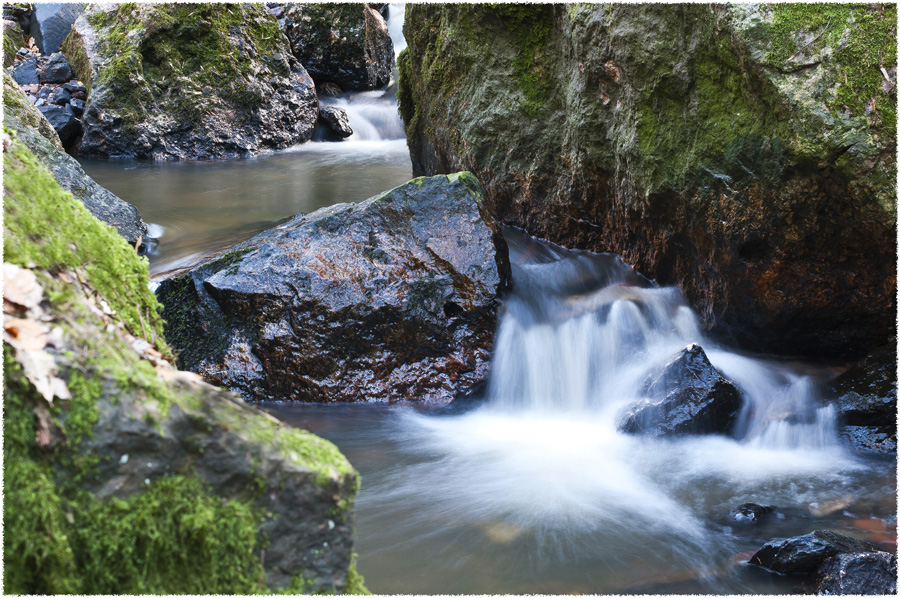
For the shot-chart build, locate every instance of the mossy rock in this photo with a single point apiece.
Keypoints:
(188, 81)
(12, 41)
(679, 137)
(138, 478)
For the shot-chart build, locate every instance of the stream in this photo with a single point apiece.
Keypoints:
(530, 488)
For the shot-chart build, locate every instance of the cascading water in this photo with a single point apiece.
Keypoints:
(535, 490)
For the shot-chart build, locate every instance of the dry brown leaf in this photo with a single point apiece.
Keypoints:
(28, 335)
(20, 286)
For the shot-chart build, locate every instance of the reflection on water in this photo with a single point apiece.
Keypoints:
(202, 207)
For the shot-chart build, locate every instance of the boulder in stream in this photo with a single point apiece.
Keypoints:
(804, 554)
(347, 44)
(690, 396)
(749, 514)
(861, 573)
(390, 299)
(188, 81)
(336, 120)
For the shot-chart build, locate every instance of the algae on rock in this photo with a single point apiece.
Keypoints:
(675, 136)
(140, 478)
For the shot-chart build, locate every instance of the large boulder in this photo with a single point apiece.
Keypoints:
(121, 474)
(52, 22)
(804, 554)
(860, 573)
(38, 135)
(12, 41)
(188, 81)
(346, 44)
(391, 299)
(743, 152)
(689, 396)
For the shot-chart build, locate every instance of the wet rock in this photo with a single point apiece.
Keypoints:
(63, 122)
(26, 73)
(391, 299)
(60, 97)
(243, 94)
(804, 554)
(336, 119)
(880, 440)
(77, 106)
(38, 135)
(865, 573)
(327, 88)
(672, 147)
(12, 41)
(75, 87)
(750, 513)
(56, 70)
(689, 397)
(348, 44)
(52, 23)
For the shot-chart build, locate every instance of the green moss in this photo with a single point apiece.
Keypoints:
(45, 227)
(12, 41)
(864, 39)
(406, 96)
(355, 583)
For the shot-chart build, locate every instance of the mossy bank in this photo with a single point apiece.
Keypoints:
(122, 474)
(745, 152)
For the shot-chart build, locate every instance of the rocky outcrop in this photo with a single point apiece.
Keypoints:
(38, 135)
(690, 396)
(346, 44)
(52, 22)
(391, 299)
(123, 475)
(188, 81)
(743, 152)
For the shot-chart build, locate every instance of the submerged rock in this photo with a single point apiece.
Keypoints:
(188, 81)
(336, 119)
(39, 136)
(804, 554)
(744, 152)
(865, 573)
(346, 44)
(391, 299)
(750, 513)
(690, 396)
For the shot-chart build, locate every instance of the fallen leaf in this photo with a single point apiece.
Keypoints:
(40, 369)
(29, 335)
(20, 286)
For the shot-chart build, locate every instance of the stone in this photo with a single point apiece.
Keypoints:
(336, 119)
(26, 73)
(60, 97)
(390, 299)
(328, 88)
(77, 106)
(685, 141)
(74, 87)
(171, 102)
(56, 70)
(63, 122)
(880, 440)
(861, 573)
(347, 44)
(54, 21)
(33, 130)
(804, 554)
(750, 514)
(689, 396)
(12, 42)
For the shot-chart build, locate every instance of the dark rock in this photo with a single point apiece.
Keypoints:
(804, 554)
(56, 70)
(38, 135)
(77, 106)
(749, 513)
(44, 92)
(349, 303)
(336, 119)
(26, 73)
(328, 88)
(54, 21)
(166, 103)
(689, 397)
(871, 439)
(867, 392)
(865, 573)
(63, 121)
(348, 44)
(19, 13)
(60, 97)
(74, 87)
(699, 165)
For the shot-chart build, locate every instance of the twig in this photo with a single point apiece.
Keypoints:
(813, 40)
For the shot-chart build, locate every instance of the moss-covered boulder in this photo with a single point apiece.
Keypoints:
(12, 41)
(745, 153)
(390, 299)
(121, 474)
(188, 81)
(36, 132)
(347, 44)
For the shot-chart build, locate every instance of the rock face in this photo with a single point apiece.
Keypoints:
(39, 136)
(689, 397)
(390, 299)
(118, 465)
(804, 554)
(743, 152)
(865, 573)
(52, 22)
(12, 41)
(179, 81)
(346, 44)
